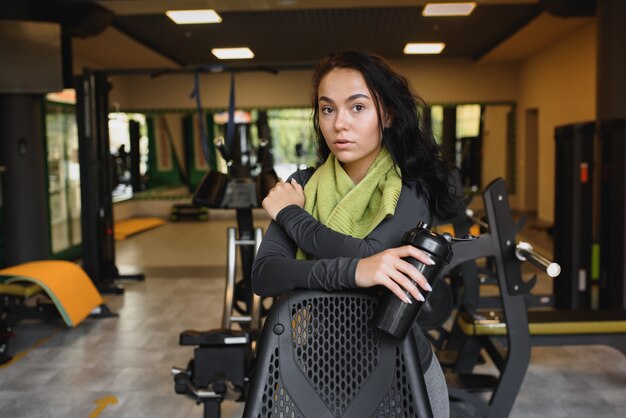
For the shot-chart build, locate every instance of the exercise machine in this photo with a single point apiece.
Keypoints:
(98, 240)
(48, 289)
(223, 358)
(500, 244)
(319, 357)
(506, 334)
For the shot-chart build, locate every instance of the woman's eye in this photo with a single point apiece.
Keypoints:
(327, 110)
(358, 107)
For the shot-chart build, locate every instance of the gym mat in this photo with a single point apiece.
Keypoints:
(124, 229)
(67, 285)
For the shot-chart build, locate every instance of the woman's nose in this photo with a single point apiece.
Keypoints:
(341, 121)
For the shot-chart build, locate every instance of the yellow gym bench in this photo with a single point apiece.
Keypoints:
(40, 289)
(553, 328)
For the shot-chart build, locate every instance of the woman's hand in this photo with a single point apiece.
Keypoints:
(281, 196)
(388, 269)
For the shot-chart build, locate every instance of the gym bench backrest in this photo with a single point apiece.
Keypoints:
(319, 358)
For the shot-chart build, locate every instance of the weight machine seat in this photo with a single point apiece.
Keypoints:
(319, 358)
(65, 283)
(492, 323)
(214, 338)
(21, 290)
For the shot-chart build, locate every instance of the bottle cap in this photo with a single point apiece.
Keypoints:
(428, 241)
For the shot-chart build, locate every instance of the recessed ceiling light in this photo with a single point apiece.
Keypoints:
(449, 9)
(188, 17)
(424, 48)
(233, 53)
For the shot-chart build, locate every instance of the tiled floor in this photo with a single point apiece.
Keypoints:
(120, 367)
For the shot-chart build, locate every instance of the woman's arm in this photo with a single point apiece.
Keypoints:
(320, 242)
(275, 269)
(285, 204)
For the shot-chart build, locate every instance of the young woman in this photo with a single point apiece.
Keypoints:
(339, 227)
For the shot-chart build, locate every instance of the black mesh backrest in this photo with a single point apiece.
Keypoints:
(318, 357)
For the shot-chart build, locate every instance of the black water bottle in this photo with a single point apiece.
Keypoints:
(394, 316)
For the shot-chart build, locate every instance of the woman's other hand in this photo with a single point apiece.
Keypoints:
(283, 195)
(388, 269)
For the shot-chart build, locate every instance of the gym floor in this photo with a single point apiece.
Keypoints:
(120, 367)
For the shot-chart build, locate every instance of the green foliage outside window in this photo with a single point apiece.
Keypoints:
(291, 127)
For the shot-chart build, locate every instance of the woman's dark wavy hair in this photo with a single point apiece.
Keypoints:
(410, 144)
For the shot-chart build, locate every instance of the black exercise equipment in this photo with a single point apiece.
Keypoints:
(507, 334)
(486, 274)
(318, 357)
(437, 308)
(332, 354)
(573, 206)
(98, 240)
(612, 135)
(134, 156)
(499, 244)
(554, 328)
(574, 213)
(223, 359)
(188, 212)
(219, 370)
(25, 226)
(242, 189)
(21, 301)
(26, 301)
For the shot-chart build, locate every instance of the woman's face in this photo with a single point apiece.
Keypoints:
(348, 119)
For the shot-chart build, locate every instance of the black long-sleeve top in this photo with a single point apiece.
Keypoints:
(334, 255)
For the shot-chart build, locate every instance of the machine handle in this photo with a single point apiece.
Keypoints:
(524, 252)
(184, 386)
(220, 145)
(262, 152)
(470, 214)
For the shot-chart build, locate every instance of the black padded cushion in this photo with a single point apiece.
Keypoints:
(334, 347)
(319, 358)
(211, 189)
(214, 338)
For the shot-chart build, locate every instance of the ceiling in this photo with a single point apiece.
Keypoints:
(286, 33)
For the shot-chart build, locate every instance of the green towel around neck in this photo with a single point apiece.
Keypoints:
(332, 198)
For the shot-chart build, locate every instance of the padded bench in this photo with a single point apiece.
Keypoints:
(43, 289)
(551, 327)
(22, 290)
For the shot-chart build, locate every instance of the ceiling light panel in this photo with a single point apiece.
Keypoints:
(449, 9)
(424, 48)
(233, 53)
(190, 17)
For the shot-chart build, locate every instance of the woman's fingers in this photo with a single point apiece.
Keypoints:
(390, 270)
(406, 284)
(407, 268)
(415, 275)
(411, 251)
(282, 195)
(297, 186)
(396, 289)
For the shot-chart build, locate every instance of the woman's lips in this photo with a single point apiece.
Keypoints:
(342, 143)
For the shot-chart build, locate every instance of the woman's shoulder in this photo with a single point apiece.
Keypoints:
(302, 176)
(413, 199)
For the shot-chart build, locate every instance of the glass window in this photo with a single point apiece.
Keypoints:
(119, 148)
(436, 120)
(293, 140)
(467, 120)
(63, 176)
